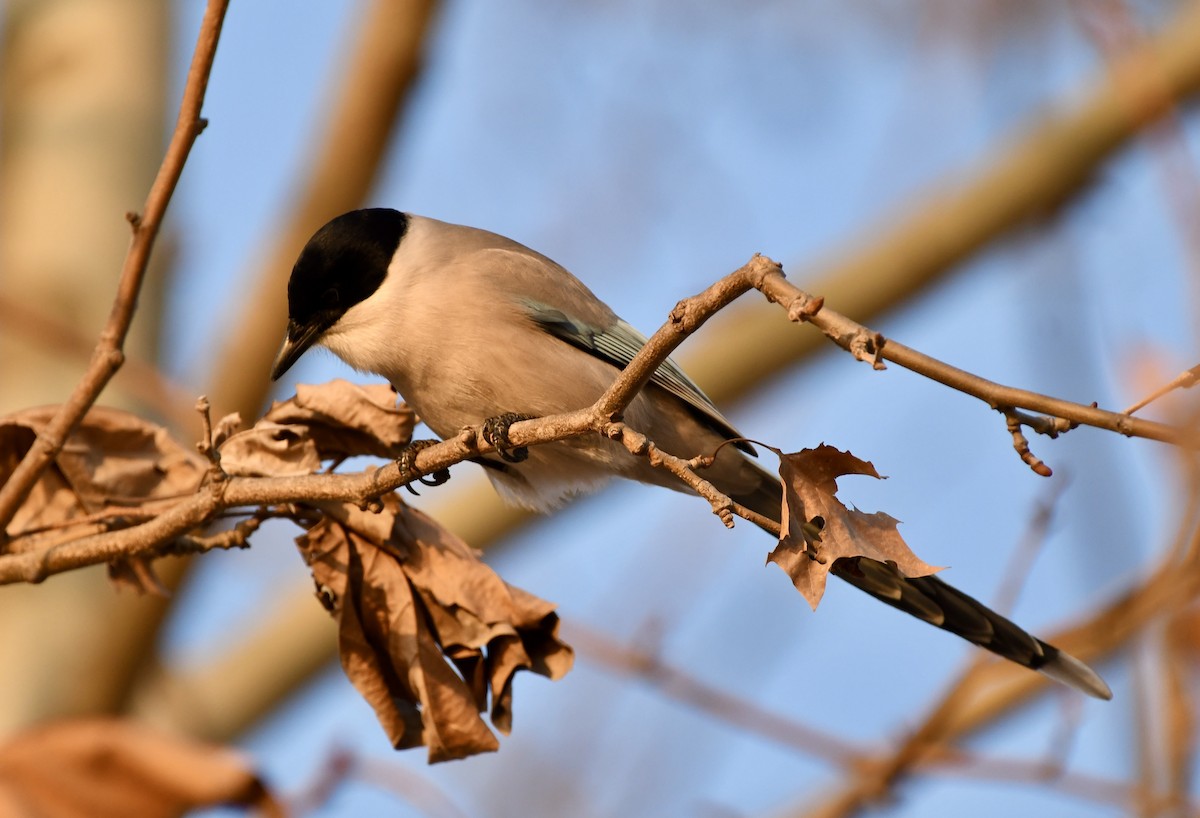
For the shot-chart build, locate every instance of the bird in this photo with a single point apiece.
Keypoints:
(470, 327)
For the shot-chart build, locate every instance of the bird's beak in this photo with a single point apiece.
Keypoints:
(298, 340)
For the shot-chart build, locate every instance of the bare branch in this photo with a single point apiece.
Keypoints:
(760, 272)
(1032, 541)
(687, 316)
(638, 444)
(676, 684)
(866, 344)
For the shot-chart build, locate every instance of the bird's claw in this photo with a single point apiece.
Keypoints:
(407, 462)
(495, 432)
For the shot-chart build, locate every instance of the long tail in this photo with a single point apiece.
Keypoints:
(933, 601)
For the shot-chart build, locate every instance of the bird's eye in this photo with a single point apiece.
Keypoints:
(330, 297)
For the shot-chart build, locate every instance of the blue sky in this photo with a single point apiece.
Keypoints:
(651, 148)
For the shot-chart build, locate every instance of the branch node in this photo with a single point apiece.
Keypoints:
(760, 267)
(867, 346)
(1124, 424)
(678, 314)
(371, 504)
(1047, 425)
(635, 442)
(134, 219)
(652, 453)
(687, 315)
(804, 306)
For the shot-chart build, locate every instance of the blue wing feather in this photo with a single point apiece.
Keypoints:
(617, 344)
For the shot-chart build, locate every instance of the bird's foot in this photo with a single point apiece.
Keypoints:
(407, 462)
(495, 432)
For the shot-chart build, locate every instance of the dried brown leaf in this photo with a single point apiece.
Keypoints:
(270, 449)
(349, 418)
(476, 609)
(808, 547)
(426, 629)
(224, 428)
(321, 422)
(102, 768)
(113, 459)
(51, 500)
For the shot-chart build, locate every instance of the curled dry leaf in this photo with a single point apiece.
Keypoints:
(105, 768)
(322, 422)
(806, 552)
(112, 460)
(426, 630)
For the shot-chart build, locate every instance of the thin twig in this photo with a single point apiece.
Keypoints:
(677, 685)
(724, 506)
(687, 316)
(1074, 784)
(1184, 380)
(108, 355)
(343, 765)
(869, 345)
(1021, 445)
(1032, 541)
(236, 537)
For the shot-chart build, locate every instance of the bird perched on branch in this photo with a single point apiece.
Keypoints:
(471, 327)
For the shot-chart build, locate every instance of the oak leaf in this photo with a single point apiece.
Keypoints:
(427, 632)
(818, 529)
(328, 421)
(113, 460)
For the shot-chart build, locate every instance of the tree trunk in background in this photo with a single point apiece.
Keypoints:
(82, 90)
